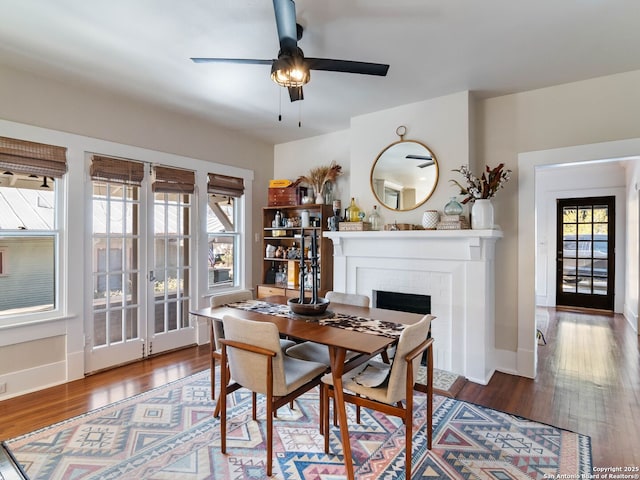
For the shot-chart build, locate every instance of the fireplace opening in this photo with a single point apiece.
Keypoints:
(402, 302)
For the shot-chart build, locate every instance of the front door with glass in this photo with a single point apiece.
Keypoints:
(585, 252)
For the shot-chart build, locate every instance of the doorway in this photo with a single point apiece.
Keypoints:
(141, 270)
(585, 252)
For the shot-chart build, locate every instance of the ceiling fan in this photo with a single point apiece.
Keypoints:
(292, 69)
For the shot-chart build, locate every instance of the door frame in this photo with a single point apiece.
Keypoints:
(577, 299)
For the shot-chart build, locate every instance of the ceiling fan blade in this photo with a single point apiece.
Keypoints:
(247, 61)
(428, 163)
(347, 66)
(285, 11)
(295, 93)
(412, 156)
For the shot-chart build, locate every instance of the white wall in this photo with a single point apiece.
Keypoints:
(442, 124)
(632, 247)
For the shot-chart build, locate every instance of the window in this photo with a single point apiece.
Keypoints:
(222, 239)
(222, 230)
(27, 228)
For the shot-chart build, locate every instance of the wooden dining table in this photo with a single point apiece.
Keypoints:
(337, 339)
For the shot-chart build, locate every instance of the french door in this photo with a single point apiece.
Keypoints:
(586, 252)
(141, 269)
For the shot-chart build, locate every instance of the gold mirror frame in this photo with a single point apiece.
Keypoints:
(404, 175)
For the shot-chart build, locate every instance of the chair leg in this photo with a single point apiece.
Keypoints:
(222, 405)
(254, 408)
(429, 398)
(321, 407)
(325, 417)
(270, 413)
(408, 428)
(212, 365)
(216, 411)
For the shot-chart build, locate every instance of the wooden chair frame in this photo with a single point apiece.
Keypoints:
(272, 402)
(405, 413)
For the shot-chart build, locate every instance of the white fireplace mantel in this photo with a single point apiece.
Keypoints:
(454, 267)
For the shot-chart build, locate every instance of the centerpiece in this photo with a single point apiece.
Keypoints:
(316, 305)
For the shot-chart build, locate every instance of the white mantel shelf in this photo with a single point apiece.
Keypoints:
(454, 267)
(418, 234)
(458, 244)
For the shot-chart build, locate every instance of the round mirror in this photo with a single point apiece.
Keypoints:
(404, 175)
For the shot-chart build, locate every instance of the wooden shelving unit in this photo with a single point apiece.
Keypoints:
(287, 237)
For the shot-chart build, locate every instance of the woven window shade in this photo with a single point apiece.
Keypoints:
(32, 158)
(116, 170)
(173, 180)
(225, 185)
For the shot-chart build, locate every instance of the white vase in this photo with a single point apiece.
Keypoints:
(482, 214)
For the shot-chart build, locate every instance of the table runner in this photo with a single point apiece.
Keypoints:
(329, 318)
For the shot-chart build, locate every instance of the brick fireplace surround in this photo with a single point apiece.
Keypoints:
(456, 268)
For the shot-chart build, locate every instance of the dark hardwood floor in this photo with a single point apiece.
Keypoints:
(588, 381)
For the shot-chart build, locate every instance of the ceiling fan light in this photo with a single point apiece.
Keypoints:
(287, 72)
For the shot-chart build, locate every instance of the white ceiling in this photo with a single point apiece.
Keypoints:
(434, 47)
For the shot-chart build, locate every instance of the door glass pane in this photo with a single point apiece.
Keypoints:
(584, 285)
(584, 231)
(569, 215)
(115, 326)
(600, 214)
(600, 229)
(131, 323)
(99, 328)
(100, 215)
(584, 215)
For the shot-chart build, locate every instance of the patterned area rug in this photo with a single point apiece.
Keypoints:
(444, 383)
(169, 433)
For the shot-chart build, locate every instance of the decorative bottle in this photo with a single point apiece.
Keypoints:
(374, 218)
(453, 207)
(354, 211)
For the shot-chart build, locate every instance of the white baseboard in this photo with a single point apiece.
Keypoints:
(632, 317)
(33, 379)
(520, 363)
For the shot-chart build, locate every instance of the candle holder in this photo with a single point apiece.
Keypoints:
(317, 305)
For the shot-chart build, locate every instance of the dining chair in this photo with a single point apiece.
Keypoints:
(216, 331)
(257, 363)
(394, 389)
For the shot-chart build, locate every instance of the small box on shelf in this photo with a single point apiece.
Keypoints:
(453, 222)
(286, 196)
(354, 226)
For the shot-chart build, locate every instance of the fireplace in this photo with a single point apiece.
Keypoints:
(402, 302)
(455, 269)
